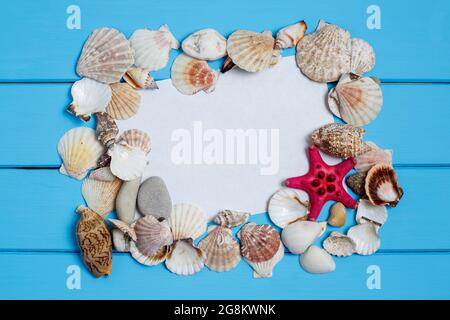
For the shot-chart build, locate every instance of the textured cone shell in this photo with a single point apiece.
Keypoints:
(373, 157)
(153, 260)
(259, 243)
(106, 56)
(339, 245)
(382, 186)
(368, 212)
(288, 205)
(289, 36)
(136, 138)
(365, 237)
(362, 58)
(140, 78)
(264, 269)
(106, 129)
(252, 51)
(231, 219)
(187, 222)
(127, 163)
(120, 240)
(125, 101)
(206, 44)
(316, 260)
(95, 242)
(152, 235)
(184, 258)
(79, 150)
(221, 250)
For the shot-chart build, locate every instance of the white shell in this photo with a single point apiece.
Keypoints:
(264, 269)
(339, 245)
(365, 237)
(298, 236)
(120, 240)
(367, 160)
(106, 56)
(288, 205)
(152, 47)
(136, 138)
(187, 222)
(317, 260)
(205, 44)
(148, 260)
(368, 212)
(79, 150)
(184, 258)
(289, 36)
(125, 101)
(127, 163)
(362, 58)
(140, 78)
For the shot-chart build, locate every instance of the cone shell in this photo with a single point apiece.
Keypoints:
(205, 44)
(252, 51)
(153, 260)
(79, 150)
(375, 156)
(259, 243)
(289, 36)
(288, 205)
(120, 240)
(106, 129)
(127, 163)
(382, 186)
(316, 260)
(136, 138)
(366, 239)
(264, 269)
(221, 250)
(339, 245)
(362, 57)
(184, 258)
(152, 235)
(368, 212)
(95, 242)
(140, 78)
(125, 101)
(357, 183)
(187, 222)
(106, 56)
(298, 236)
(231, 219)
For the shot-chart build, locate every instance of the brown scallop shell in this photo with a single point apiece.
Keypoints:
(259, 243)
(152, 235)
(382, 186)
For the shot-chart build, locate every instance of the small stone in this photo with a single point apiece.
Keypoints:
(154, 199)
(126, 200)
(337, 215)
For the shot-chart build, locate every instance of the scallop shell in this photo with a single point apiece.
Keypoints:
(259, 243)
(190, 75)
(362, 57)
(357, 182)
(140, 78)
(136, 138)
(184, 258)
(127, 163)
(187, 222)
(231, 219)
(341, 140)
(79, 150)
(298, 236)
(120, 240)
(339, 245)
(324, 55)
(288, 205)
(205, 44)
(264, 269)
(368, 212)
(382, 186)
(289, 36)
(106, 129)
(252, 51)
(94, 241)
(125, 101)
(221, 250)
(153, 260)
(89, 96)
(152, 47)
(106, 56)
(152, 235)
(367, 241)
(316, 260)
(375, 156)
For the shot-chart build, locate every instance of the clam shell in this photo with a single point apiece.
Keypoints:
(125, 101)
(338, 215)
(184, 258)
(120, 240)
(362, 57)
(368, 212)
(154, 199)
(136, 138)
(94, 241)
(288, 205)
(357, 183)
(252, 51)
(367, 241)
(205, 44)
(152, 47)
(106, 129)
(126, 200)
(127, 163)
(382, 186)
(152, 235)
(317, 260)
(221, 250)
(153, 260)
(190, 75)
(264, 269)
(339, 245)
(79, 150)
(187, 222)
(289, 36)
(375, 156)
(106, 56)
(140, 78)
(298, 236)
(231, 219)
(259, 243)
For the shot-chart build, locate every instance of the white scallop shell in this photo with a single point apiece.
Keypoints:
(125, 101)
(205, 44)
(339, 245)
(120, 240)
(289, 36)
(140, 78)
(362, 57)
(366, 238)
(136, 138)
(317, 260)
(288, 205)
(106, 56)
(127, 163)
(264, 269)
(79, 150)
(187, 222)
(367, 160)
(298, 236)
(368, 212)
(148, 260)
(184, 258)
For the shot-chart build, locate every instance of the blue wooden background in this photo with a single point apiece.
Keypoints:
(37, 66)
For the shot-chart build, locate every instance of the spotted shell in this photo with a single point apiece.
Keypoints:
(382, 186)
(362, 57)
(259, 243)
(136, 138)
(140, 78)
(231, 219)
(264, 269)
(184, 258)
(152, 235)
(153, 260)
(187, 222)
(289, 36)
(339, 245)
(106, 129)
(125, 101)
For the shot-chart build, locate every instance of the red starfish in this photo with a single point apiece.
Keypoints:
(323, 182)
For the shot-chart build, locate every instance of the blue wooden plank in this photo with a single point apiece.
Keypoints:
(411, 44)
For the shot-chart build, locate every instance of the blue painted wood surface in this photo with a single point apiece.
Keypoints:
(37, 244)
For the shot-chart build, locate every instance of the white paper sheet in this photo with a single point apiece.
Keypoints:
(273, 111)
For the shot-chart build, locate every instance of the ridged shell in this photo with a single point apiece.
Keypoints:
(231, 219)
(187, 222)
(341, 140)
(298, 236)
(126, 228)
(125, 101)
(79, 150)
(252, 51)
(205, 44)
(106, 56)
(100, 190)
(152, 235)
(190, 75)
(259, 243)
(153, 260)
(339, 245)
(366, 238)
(95, 242)
(120, 240)
(136, 138)
(289, 36)
(288, 205)
(184, 258)
(316, 260)
(106, 129)
(140, 78)
(127, 163)
(152, 47)
(264, 269)
(362, 58)
(221, 250)
(375, 156)
(382, 186)
(357, 183)
(368, 212)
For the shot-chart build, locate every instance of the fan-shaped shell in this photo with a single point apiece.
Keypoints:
(79, 150)
(127, 163)
(375, 156)
(106, 129)
(259, 243)
(106, 56)
(367, 241)
(298, 236)
(382, 186)
(221, 250)
(205, 44)
(339, 245)
(317, 260)
(264, 269)
(187, 222)
(120, 240)
(289, 36)
(252, 51)
(184, 258)
(140, 78)
(125, 101)
(362, 57)
(136, 138)
(231, 218)
(152, 235)
(288, 205)
(368, 212)
(153, 260)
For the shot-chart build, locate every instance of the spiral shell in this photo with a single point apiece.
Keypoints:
(140, 78)
(259, 243)
(231, 219)
(125, 101)
(187, 222)
(382, 186)
(289, 36)
(106, 129)
(152, 235)
(184, 258)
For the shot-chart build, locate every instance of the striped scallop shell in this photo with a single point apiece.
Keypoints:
(231, 219)
(366, 238)
(152, 235)
(127, 163)
(184, 258)
(264, 269)
(187, 222)
(259, 243)
(152, 260)
(375, 156)
(79, 150)
(106, 129)
(106, 56)
(136, 138)
(125, 101)
(339, 245)
(288, 205)
(362, 57)
(140, 78)
(289, 36)
(382, 186)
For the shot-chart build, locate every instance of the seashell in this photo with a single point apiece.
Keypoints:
(264, 269)
(88, 97)
(357, 182)
(190, 75)
(252, 51)
(231, 219)
(339, 245)
(152, 235)
(367, 241)
(120, 240)
(152, 47)
(140, 78)
(153, 260)
(127, 163)
(104, 160)
(205, 44)
(136, 138)
(184, 258)
(356, 100)
(187, 222)
(79, 150)
(324, 55)
(298, 236)
(106, 129)
(221, 250)
(368, 212)
(125, 228)
(338, 214)
(126, 200)
(341, 140)
(154, 199)
(382, 186)
(288, 205)
(362, 57)
(100, 190)
(125, 101)
(317, 260)
(259, 243)
(106, 56)
(94, 241)
(375, 156)
(289, 36)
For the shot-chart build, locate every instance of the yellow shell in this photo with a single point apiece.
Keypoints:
(125, 101)
(140, 78)
(337, 215)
